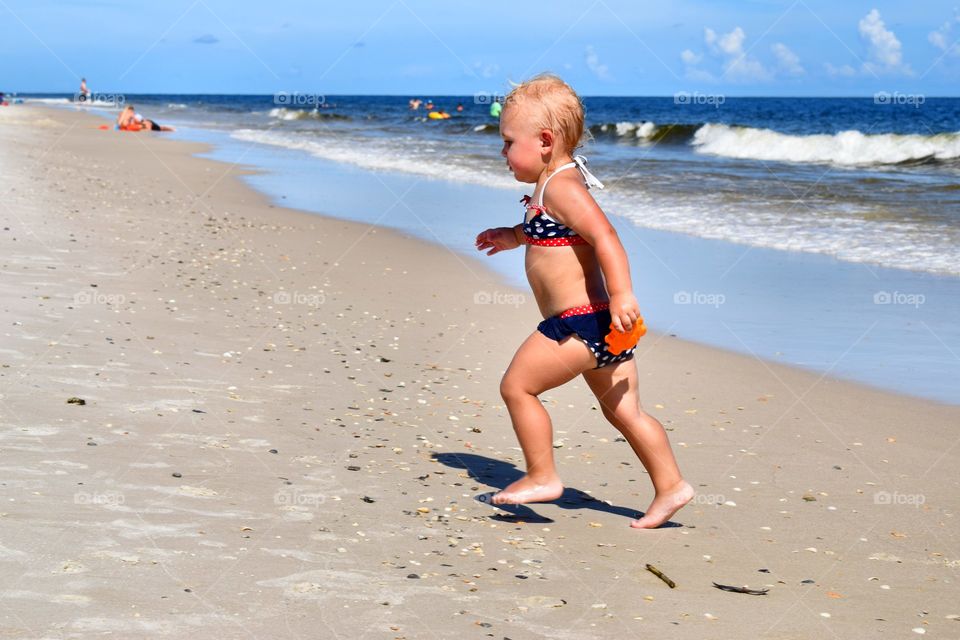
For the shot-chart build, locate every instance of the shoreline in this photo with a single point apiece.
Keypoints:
(218, 346)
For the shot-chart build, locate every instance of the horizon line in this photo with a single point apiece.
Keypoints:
(469, 95)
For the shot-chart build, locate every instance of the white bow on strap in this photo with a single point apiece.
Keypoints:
(588, 177)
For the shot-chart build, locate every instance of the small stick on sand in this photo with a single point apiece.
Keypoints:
(670, 583)
(749, 592)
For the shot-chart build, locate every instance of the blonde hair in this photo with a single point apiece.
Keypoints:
(553, 105)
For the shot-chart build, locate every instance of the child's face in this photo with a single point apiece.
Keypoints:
(522, 145)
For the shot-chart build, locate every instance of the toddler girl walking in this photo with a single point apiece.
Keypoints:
(580, 277)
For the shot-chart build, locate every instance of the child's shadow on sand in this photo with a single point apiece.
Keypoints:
(500, 474)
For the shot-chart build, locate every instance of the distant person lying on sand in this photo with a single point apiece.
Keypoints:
(130, 120)
(152, 125)
(125, 119)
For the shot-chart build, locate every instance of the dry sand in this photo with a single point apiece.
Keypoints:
(289, 418)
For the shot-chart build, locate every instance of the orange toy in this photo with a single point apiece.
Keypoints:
(618, 342)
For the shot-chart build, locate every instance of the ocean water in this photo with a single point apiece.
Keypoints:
(823, 233)
(867, 180)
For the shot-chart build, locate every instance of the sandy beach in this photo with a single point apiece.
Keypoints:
(289, 422)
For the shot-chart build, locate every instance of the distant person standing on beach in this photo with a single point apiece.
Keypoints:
(84, 91)
(580, 277)
(496, 108)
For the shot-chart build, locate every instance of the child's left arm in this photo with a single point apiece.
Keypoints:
(576, 208)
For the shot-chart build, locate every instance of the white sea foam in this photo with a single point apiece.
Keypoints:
(846, 236)
(847, 148)
(896, 244)
(47, 100)
(642, 130)
(283, 113)
(395, 155)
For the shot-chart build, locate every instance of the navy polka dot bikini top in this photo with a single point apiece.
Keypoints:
(544, 231)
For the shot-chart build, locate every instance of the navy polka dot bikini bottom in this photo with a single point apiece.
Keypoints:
(590, 323)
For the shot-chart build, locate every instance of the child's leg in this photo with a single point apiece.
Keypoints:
(616, 388)
(539, 364)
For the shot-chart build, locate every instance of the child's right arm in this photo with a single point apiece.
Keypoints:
(500, 239)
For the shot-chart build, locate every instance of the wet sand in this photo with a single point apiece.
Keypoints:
(288, 421)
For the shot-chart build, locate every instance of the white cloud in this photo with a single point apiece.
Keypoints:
(593, 63)
(699, 75)
(738, 65)
(728, 47)
(486, 70)
(943, 38)
(938, 38)
(883, 47)
(732, 43)
(746, 69)
(709, 36)
(844, 71)
(787, 59)
(689, 57)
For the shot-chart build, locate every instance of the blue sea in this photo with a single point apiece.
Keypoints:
(818, 232)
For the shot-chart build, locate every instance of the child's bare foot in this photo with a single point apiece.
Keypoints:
(664, 506)
(527, 490)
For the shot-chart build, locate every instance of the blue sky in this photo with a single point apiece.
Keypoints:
(411, 47)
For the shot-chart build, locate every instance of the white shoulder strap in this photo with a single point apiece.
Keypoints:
(547, 181)
(580, 163)
(588, 177)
